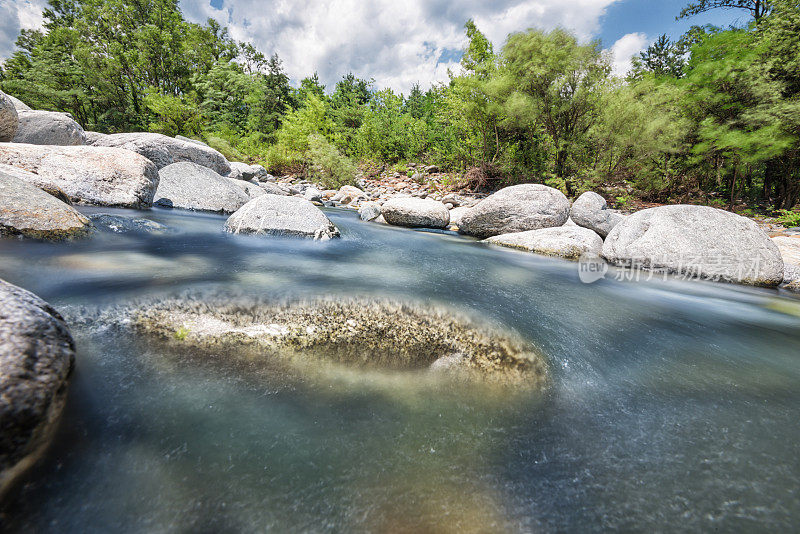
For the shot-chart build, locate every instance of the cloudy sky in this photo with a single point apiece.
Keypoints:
(400, 42)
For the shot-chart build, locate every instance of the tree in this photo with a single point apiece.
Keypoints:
(757, 8)
(662, 58)
(552, 85)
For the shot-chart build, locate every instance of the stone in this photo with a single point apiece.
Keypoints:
(369, 211)
(281, 216)
(568, 242)
(37, 354)
(789, 247)
(190, 140)
(163, 150)
(9, 118)
(698, 242)
(27, 211)
(191, 186)
(455, 216)
(49, 128)
(88, 175)
(360, 333)
(431, 169)
(250, 189)
(415, 212)
(243, 171)
(19, 104)
(349, 193)
(119, 224)
(591, 211)
(35, 181)
(516, 209)
(273, 189)
(312, 194)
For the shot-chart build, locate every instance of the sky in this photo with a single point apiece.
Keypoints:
(402, 42)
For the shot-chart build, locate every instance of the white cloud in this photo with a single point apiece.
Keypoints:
(624, 49)
(396, 43)
(16, 15)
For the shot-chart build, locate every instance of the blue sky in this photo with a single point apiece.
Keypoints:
(402, 42)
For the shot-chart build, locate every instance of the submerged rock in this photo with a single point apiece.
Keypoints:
(88, 175)
(9, 118)
(163, 150)
(119, 224)
(568, 242)
(191, 186)
(697, 242)
(516, 209)
(30, 212)
(36, 357)
(415, 212)
(281, 216)
(591, 211)
(789, 248)
(49, 128)
(358, 333)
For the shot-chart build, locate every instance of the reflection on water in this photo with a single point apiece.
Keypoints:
(674, 406)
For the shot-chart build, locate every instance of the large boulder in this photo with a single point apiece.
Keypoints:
(36, 357)
(163, 150)
(190, 140)
(194, 187)
(281, 216)
(789, 248)
(88, 175)
(415, 212)
(273, 189)
(251, 190)
(49, 128)
(19, 104)
(516, 209)
(698, 242)
(9, 118)
(591, 211)
(455, 216)
(569, 242)
(30, 212)
(243, 171)
(369, 211)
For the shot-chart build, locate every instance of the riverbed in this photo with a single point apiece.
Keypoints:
(672, 405)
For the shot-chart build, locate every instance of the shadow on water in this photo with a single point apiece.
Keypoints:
(673, 405)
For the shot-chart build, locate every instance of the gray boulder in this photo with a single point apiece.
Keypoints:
(564, 241)
(312, 194)
(516, 209)
(415, 212)
(591, 211)
(88, 175)
(369, 211)
(243, 171)
(163, 150)
(190, 140)
(19, 104)
(273, 189)
(455, 216)
(194, 187)
(251, 190)
(789, 248)
(36, 357)
(49, 128)
(9, 118)
(281, 216)
(698, 242)
(27, 211)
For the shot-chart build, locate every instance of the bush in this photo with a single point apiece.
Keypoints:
(328, 164)
(789, 218)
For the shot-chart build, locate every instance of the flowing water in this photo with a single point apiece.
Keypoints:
(673, 406)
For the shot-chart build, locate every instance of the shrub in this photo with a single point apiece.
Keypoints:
(328, 164)
(789, 218)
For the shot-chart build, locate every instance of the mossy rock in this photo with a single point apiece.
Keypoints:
(360, 333)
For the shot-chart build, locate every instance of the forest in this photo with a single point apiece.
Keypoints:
(713, 117)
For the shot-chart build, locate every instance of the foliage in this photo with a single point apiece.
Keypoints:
(330, 167)
(789, 218)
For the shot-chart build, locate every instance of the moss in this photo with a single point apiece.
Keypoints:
(358, 333)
